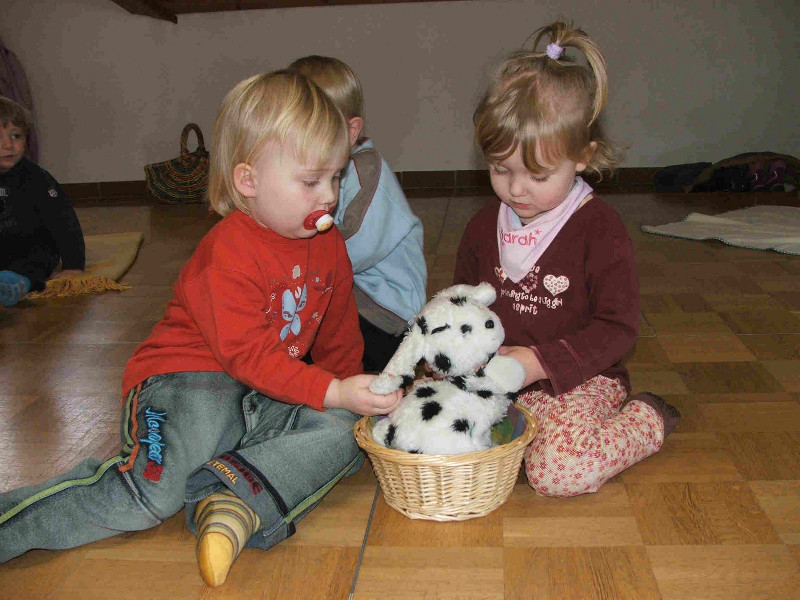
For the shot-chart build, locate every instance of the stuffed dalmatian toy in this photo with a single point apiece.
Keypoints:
(458, 336)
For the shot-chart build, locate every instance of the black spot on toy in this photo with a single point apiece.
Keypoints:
(425, 391)
(484, 393)
(390, 436)
(430, 409)
(442, 363)
(461, 425)
(460, 382)
(465, 329)
(422, 324)
(458, 300)
(440, 329)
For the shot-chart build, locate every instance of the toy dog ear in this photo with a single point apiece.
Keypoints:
(400, 369)
(483, 293)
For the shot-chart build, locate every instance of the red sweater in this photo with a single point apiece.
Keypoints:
(252, 303)
(578, 308)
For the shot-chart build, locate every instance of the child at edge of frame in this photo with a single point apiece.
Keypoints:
(38, 226)
(383, 235)
(220, 415)
(562, 263)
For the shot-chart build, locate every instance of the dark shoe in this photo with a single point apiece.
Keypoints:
(669, 414)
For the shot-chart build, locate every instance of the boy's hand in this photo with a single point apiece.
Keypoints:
(353, 394)
(525, 355)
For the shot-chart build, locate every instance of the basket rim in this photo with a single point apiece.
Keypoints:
(362, 431)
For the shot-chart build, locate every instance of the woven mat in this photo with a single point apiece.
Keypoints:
(758, 227)
(108, 257)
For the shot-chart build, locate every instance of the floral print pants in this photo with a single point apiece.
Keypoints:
(584, 439)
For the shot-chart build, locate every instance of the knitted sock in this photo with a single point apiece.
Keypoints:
(224, 524)
(669, 414)
(13, 287)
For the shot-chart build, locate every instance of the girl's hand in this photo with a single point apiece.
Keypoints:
(353, 394)
(525, 355)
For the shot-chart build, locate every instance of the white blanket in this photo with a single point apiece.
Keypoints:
(758, 227)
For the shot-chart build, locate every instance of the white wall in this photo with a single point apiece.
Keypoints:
(690, 80)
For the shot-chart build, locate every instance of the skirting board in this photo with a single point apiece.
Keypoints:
(415, 183)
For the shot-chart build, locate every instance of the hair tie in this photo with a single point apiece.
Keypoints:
(554, 51)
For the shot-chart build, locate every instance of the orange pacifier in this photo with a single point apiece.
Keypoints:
(321, 220)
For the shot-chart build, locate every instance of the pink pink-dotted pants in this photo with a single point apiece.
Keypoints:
(584, 439)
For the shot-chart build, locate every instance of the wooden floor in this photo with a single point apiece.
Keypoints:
(714, 515)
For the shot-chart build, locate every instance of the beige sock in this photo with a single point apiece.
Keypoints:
(224, 524)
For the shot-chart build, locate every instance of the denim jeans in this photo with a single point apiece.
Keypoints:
(185, 436)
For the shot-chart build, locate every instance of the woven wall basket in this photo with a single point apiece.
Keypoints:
(441, 487)
(181, 180)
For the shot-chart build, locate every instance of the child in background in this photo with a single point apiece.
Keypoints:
(220, 414)
(383, 236)
(562, 263)
(38, 226)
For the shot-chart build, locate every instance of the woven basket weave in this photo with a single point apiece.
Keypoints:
(441, 487)
(181, 180)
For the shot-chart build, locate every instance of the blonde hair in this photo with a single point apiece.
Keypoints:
(278, 107)
(550, 103)
(337, 79)
(15, 114)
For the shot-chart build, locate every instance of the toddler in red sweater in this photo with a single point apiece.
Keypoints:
(562, 263)
(221, 414)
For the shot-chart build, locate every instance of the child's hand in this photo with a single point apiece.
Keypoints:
(353, 394)
(533, 368)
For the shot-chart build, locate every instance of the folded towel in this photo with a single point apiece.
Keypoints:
(758, 227)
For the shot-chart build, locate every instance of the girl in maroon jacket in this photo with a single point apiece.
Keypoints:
(562, 263)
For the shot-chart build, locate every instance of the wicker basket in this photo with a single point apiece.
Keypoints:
(442, 487)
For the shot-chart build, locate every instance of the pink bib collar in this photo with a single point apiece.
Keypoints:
(521, 246)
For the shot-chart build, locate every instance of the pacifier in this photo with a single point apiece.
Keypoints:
(321, 220)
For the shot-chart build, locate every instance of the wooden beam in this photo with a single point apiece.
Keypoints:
(148, 8)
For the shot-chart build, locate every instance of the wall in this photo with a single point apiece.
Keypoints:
(690, 81)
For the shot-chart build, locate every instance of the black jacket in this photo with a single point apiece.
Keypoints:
(38, 225)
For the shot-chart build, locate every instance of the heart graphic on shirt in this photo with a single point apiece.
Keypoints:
(555, 285)
(501, 275)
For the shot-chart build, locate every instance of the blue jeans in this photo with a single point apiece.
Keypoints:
(185, 436)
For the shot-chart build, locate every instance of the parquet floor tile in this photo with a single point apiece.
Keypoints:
(721, 512)
(431, 572)
(596, 573)
(714, 377)
(712, 515)
(725, 572)
(780, 501)
(687, 323)
(757, 456)
(705, 348)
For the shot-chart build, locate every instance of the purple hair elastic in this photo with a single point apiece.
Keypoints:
(554, 51)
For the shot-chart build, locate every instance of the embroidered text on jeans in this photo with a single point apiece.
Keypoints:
(155, 444)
